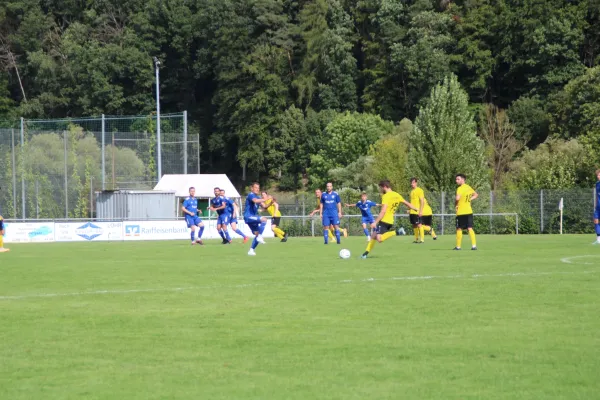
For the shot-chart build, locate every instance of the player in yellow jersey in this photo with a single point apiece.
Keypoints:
(383, 224)
(318, 195)
(422, 218)
(464, 213)
(273, 209)
(2, 248)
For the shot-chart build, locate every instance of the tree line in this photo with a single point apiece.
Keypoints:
(297, 92)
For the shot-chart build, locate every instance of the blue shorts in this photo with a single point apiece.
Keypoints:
(233, 221)
(253, 222)
(192, 221)
(368, 220)
(223, 219)
(330, 220)
(597, 213)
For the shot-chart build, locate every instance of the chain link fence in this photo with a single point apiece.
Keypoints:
(51, 168)
(498, 212)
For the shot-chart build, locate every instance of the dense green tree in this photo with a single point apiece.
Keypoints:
(444, 140)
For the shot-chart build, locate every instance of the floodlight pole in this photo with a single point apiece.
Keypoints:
(158, 149)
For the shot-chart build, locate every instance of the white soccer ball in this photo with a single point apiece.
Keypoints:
(344, 253)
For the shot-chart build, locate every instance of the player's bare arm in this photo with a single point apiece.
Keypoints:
(421, 205)
(407, 204)
(474, 196)
(380, 216)
(182, 209)
(339, 207)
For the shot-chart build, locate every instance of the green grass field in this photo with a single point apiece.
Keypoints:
(510, 321)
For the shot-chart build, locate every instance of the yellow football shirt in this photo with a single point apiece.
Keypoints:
(415, 195)
(393, 200)
(464, 203)
(271, 208)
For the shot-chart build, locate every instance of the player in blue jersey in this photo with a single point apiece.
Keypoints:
(365, 205)
(331, 212)
(255, 222)
(190, 209)
(597, 208)
(233, 211)
(218, 205)
(2, 248)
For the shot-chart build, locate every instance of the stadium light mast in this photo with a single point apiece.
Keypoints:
(158, 147)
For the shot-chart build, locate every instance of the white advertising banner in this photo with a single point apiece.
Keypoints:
(28, 232)
(178, 230)
(88, 231)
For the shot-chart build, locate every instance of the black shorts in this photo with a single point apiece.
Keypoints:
(276, 221)
(1, 225)
(383, 227)
(464, 221)
(423, 219)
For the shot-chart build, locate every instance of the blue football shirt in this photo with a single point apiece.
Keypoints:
(598, 195)
(229, 205)
(218, 202)
(191, 205)
(365, 208)
(251, 209)
(330, 202)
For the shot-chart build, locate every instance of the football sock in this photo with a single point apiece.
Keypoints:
(279, 233)
(432, 232)
(201, 232)
(366, 231)
(254, 243)
(330, 234)
(422, 233)
(326, 233)
(239, 232)
(337, 236)
(459, 234)
(426, 228)
(387, 235)
(370, 245)
(261, 228)
(1, 241)
(222, 235)
(416, 232)
(226, 233)
(192, 234)
(472, 236)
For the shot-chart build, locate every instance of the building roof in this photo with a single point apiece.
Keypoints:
(204, 184)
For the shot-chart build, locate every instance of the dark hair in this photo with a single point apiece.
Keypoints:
(191, 187)
(385, 183)
(265, 192)
(461, 176)
(254, 183)
(217, 188)
(413, 179)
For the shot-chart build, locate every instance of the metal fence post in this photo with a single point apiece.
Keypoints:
(491, 212)
(23, 167)
(103, 153)
(66, 178)
(443, 210)
(542, 211)
(185, 143)
(14, 174)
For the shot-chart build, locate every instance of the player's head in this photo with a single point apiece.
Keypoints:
(598, 174)
(414, 182)
(192, 191)
(460, 179)
(363, 196)
(264, 194)
(318, 193)
(217, 192)
(255, 188)
(329, 187)
(385, 186)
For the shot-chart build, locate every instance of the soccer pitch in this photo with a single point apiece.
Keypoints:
(517, 319)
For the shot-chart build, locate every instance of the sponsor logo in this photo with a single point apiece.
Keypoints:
(89, 231)
(132, 230)
(42, 231)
